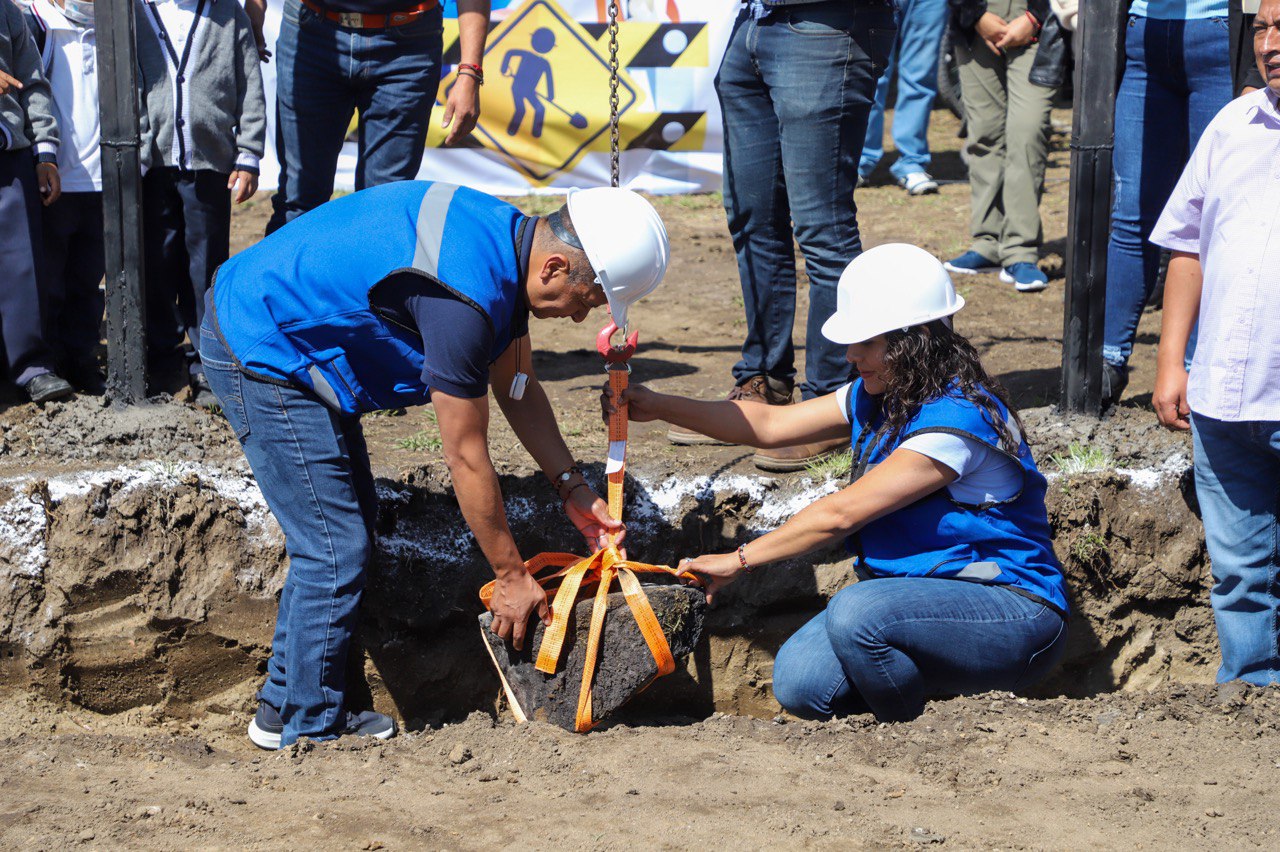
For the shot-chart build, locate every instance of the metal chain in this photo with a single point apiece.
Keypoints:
(613, 93)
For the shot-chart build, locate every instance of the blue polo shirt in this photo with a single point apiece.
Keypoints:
(456, 336)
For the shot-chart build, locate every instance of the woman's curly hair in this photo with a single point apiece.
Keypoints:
(923, 362)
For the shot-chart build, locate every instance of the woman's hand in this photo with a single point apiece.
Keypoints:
(712, 571)
(639, 400)
(1019, 33)
(991, 28)
(590, 515)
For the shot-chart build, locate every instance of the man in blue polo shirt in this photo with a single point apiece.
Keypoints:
(401, 295)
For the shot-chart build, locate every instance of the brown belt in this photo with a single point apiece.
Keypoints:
(361, 21)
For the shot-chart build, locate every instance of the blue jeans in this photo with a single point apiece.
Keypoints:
(915, 55)
(1238, 486)
(795, 89)
(313, 469)
(1177, 75)
(884, 645)
(324, 73)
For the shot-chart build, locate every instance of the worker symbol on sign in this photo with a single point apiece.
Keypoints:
(527, 70)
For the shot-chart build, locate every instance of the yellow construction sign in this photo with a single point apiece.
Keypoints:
(545, 101)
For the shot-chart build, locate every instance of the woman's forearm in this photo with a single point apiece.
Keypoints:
(724, 420)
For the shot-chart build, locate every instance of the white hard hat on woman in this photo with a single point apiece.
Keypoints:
(893, 286)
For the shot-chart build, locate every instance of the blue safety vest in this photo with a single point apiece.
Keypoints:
(301, 306)
(1000, 543)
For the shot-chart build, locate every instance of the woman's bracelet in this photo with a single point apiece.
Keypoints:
(742, 558)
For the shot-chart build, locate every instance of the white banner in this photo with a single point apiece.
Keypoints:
(544, 124)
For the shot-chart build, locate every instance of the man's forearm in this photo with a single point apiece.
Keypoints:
(1182, 287)
(473, 30)
(475, 483)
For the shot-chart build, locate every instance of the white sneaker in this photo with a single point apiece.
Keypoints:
(918, 183)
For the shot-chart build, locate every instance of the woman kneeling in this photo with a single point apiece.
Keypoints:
(945, 511)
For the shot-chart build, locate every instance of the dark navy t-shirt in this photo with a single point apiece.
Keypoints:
(456, 339)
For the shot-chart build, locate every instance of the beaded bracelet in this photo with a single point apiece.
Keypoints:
(742, 558)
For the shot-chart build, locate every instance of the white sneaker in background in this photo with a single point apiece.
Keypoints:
(918, 183)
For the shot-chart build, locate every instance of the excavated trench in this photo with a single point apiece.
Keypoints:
(152, 584)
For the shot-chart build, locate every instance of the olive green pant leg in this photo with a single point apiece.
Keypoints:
(1026, 151)
(982, 87)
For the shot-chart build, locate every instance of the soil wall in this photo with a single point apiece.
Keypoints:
(152, 585)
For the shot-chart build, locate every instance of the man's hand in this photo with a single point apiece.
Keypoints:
(713, 571)
(516, 596)
(1170, 398)
(7, 83)
(49, 181)
(590, 515)
(245, 184)
(991, 28)
(462, 109)
(1019, 33)
(257, 12)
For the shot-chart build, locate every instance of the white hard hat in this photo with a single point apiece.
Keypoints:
(890, 286)
(625, 241)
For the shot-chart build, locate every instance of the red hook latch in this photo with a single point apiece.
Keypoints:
(616, 354)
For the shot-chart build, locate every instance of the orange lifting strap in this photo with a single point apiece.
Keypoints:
(576, 576)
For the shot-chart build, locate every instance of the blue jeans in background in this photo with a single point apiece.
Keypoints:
(915, 55)
(1238, 486)
(324, 74)
(313, 469)
(795, 89)
(884, 645)
(1177, 75)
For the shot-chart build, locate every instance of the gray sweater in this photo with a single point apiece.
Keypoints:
(26, 114)
(223, 103)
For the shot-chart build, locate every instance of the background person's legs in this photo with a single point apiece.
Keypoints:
(1026, 148)
(755, 201)
(74, 254)
(206, 215)
(314, 105)
(1237, 468)
(982, 84)
(836, 51)
(25, 348)
(921, 25)
(400, 75)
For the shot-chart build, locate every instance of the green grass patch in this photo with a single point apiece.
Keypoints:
(834, 466)
(419, 442)
(1088, 548)
(1081, 458)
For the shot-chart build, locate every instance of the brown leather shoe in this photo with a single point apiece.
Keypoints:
(798, 456)
(755, 389)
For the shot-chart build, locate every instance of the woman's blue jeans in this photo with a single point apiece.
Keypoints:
(1238, 487)
(884, 645)
(313, 469)
(1177, 75)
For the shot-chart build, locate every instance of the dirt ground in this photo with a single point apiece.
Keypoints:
(1171, 762)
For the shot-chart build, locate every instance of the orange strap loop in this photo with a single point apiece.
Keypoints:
(575, 576)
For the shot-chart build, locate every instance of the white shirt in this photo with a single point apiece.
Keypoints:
(983, 474)
(1226, 210)
(69, 60)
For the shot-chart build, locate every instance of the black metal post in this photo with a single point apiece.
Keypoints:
(122, 200)
(1099, 53)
